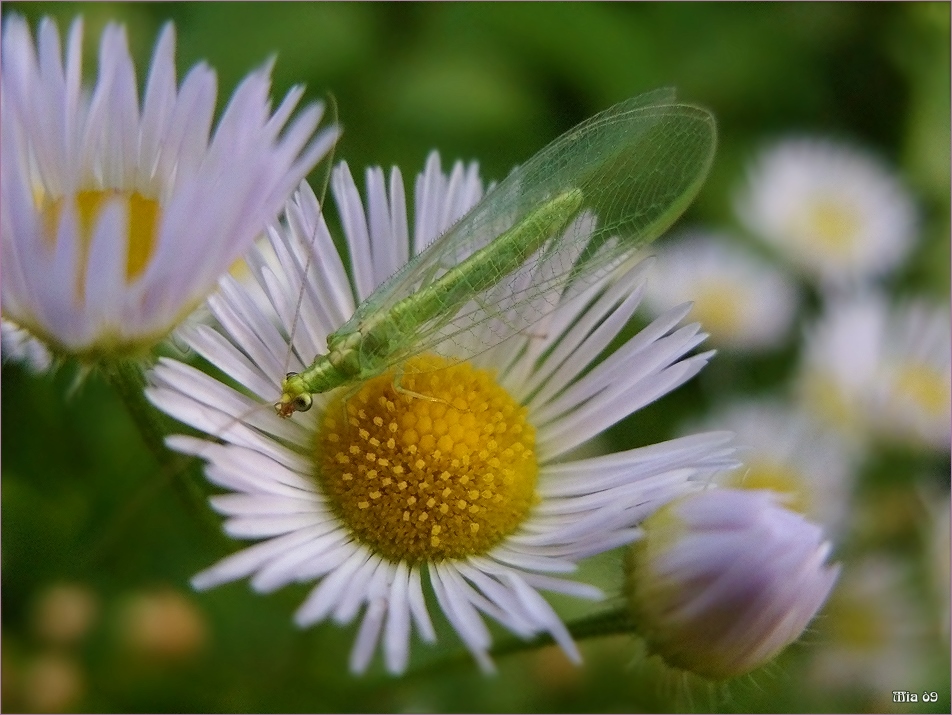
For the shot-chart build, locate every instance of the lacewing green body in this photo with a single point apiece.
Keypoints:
(558, 223)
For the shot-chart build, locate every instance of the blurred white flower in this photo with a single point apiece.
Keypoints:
(725, 579)
(914, 398)
(835, 211)
(119, 217)
(742, 301)
(871, 369)
(374, 493)
(871, 636)
(784, 449)
(840, 363)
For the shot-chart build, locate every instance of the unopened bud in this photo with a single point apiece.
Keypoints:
(725, 579)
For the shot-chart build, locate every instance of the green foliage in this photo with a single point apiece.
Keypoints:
(85, 501)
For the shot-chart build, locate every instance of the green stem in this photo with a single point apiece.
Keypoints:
(129, 381)
(607, 623)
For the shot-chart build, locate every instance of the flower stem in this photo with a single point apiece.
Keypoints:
(607, 623)
(129, 381)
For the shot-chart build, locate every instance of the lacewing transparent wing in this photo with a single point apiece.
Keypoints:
(554, 226)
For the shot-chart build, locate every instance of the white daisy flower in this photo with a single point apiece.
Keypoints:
(119, 217)
(786, 450)
(725, 579)
(872, 369)
(840, 364)
(835, 211)
(913, 401)
(743, 302)
(458, 473)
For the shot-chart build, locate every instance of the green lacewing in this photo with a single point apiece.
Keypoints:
(558, 223)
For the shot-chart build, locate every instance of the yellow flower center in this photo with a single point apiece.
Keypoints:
(432, 461)
(924, 386)
(143, 218)
(761, 474)
(833, 227)
(823, 393)
(717, 307)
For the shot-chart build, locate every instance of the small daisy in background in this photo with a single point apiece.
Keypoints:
(378, 490)
(911, 404)
(786, 450)
(119, 216)
(874, 370)
(836, 212)
(743, 302)
(871, 636)
(839, 365)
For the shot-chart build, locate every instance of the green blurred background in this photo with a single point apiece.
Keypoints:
(85, 504)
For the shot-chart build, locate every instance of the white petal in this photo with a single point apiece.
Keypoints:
(463, 617)
(247, 561)
(418, 607)
(105, 277)
(368, 635)
(323, 599)
(396, 640)
(355, 229)
(544, 615)
(287, 567)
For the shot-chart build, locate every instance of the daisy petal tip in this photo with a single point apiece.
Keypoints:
(203, 581)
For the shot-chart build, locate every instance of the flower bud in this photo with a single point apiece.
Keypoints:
(724, 579)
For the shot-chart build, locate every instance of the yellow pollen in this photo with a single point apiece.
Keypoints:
(430, 440)
(143, 223)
